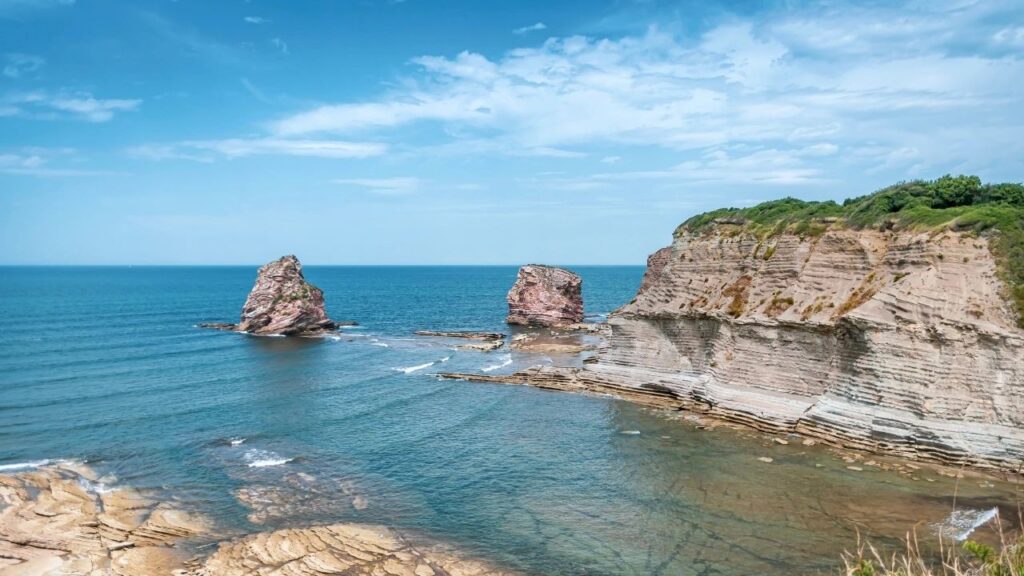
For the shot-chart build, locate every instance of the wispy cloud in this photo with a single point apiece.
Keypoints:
(210, 150)
(384, 186)
(256, 20)
(73, 105)
(37, 162)
(281, 45)
(18, 65)
(793, 86)
(530, 28)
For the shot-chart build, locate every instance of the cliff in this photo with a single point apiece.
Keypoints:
(898, 337)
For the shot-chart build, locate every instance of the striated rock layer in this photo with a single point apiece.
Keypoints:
(892, 341)
(281, 302)
(545, 296)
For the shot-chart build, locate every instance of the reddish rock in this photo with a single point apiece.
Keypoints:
(655, 264)
(282, 302)
(545, 296)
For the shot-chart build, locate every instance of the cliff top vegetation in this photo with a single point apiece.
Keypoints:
(961, 203)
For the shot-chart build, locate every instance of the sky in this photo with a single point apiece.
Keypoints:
(473, 132)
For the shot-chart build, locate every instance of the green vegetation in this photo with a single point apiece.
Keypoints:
(970, 559)
(960, 203)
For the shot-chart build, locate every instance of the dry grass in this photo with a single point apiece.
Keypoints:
(967, 559)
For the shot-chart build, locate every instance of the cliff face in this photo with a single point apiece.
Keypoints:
(894, 341)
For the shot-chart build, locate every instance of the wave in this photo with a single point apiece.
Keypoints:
(23, 466)
(630, 432)
(961, 523)
(256, 458)
(236, 441)
(94, 487)
(376, 342)
(506, 360)
(418, 367)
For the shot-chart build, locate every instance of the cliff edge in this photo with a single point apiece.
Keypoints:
(889, 323)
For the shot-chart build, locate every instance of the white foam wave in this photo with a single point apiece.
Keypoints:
(376, 342)
(505, 361)
(23, 466)
(257, 458)
(94, 487)
(416, 368)
(630, 432)
(236, 441)
(352, 327)
(961, 523)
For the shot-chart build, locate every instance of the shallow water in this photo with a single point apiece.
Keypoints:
(105, 365)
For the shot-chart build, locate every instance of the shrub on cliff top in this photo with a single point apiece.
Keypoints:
(959, 203)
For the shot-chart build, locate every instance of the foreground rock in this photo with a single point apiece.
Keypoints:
(51, 524)
(282, 303)
(337, 549)
(545, 296)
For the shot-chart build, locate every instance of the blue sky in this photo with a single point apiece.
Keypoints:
(455, 132)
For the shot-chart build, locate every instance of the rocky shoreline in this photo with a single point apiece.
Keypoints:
(60, 519)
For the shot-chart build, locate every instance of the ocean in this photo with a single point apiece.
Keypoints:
(106, 365)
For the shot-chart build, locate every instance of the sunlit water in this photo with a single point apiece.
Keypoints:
(106, 365)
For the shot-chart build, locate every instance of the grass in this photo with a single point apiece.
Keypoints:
(968, 559)
(959, 203)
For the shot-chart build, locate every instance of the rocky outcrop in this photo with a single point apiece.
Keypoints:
(545, 296)
(282, 303)
(52, 522)
(899, 342)
(485, 341)
(55, 520)
(337, 549)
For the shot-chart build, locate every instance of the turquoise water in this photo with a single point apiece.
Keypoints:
(105, 365)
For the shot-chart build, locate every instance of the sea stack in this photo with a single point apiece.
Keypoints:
(545, 296)
(282, 302)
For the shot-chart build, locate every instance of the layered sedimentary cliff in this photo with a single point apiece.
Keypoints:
(901, 342)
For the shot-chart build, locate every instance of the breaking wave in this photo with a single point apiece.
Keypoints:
(256, 458)
(961, 523)
(505, 361)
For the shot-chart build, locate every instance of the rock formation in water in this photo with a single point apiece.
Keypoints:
(282, 302)
(545, 296)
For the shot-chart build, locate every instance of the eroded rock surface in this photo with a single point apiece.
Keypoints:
(336, 549)
(891, 341)
(282, 302)
(545, 296)
(51, 522)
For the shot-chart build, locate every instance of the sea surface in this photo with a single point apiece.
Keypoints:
(106, 365)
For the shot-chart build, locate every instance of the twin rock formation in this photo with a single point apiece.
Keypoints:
(282, 302)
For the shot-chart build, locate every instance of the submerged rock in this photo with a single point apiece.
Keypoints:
(545, 296)
(282, 303)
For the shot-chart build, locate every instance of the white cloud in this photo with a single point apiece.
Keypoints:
(611, 159)
(209, 150)
(384, 186)
(18, 65)
(256, 20)
(802, 87)
(281, 45)
(531, 28)
(37, 162)
(1010, 36)
(75, 105)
